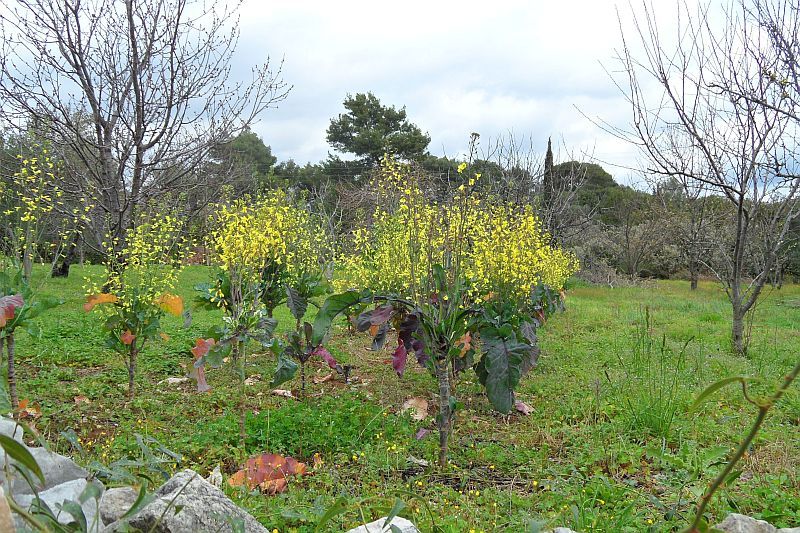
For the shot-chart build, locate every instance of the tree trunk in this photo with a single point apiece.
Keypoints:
(444, 420)
(27, 264)
(739, 342)
(694, 279)
(62, 270)
(12, 374)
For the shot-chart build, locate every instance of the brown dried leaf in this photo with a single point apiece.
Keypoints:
(322, 379)
(419, 407)
(522, 407)
(269, 472)
(284, 393)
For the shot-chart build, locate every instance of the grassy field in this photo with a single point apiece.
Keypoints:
(609, 445)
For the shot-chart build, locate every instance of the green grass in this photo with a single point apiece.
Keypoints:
(609, 445)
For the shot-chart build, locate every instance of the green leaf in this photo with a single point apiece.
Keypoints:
(334, 305)
(20, 454)
(76, 511)
(5, 399)
(714, 387)
(285, 370)
(503, 357)
(398, 506)
(338, 507)
(141, 501)
(296, 303)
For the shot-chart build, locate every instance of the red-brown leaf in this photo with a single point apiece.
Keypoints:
(269, 472)
(9, 306)
(127, 337)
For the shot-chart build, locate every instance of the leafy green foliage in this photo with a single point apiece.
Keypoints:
(370, 129)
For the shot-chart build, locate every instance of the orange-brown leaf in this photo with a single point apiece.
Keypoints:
(201, 347)
(171, 303)
(465, 342)
(127, 337)
(97, 299)
(269, 472)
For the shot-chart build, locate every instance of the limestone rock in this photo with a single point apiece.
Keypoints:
(56, 468)
(64, 492)
(10, 428)
(404, 525)
(203, 507)
(737, 523)
(116, 502)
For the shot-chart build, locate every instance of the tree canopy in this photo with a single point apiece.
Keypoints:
(369, 129)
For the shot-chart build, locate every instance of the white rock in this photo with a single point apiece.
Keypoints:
(116, 502)
(563, 530)
(737, 523)
(10, 428)
(405, 526)
(56, 468)
(215, 477)
(173, 381)
(69, 491)
(202, 507)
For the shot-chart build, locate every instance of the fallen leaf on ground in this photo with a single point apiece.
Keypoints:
(419, 406)
(522, 407)
(29, 411)
(421, 433)
(269, 472)
(284, 393)
(81, 399)
(252, 380)
(323, 379)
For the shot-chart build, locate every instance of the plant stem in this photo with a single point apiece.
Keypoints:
(242, 401)
(444, 420)
(719, 481)
(303, 380)
(132, 373)
(12, 375)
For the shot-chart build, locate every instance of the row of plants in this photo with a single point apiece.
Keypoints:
(464, 281)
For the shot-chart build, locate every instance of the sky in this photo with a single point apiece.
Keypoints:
(534, 68)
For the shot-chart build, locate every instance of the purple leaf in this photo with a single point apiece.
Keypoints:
(326, 355)
(375, 317)
(421, 433)
(399, 358)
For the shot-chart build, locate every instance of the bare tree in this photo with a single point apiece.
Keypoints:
(138, 90)
(740, 147)
(525, 176)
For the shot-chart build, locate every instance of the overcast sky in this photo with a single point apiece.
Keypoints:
(529, 67)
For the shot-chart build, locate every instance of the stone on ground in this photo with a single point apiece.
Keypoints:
(58, 495)
(202, 507)
(116, 502)
(737, 523)
(9, 428)
(405, 526)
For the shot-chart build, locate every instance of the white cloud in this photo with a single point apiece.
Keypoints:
(458, 67)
